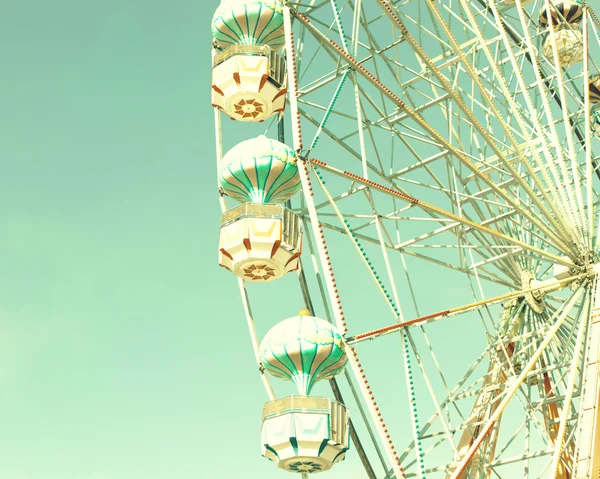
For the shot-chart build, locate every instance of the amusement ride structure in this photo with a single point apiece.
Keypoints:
(428, 174)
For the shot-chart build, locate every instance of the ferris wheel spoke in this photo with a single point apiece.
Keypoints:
(329, 110)
(548, 75)
(512, 390)
(479, 270)
(567, 199)
(440, 415)
(564, 104)
(420, 121)
(433, 176)
(388, 297)
(588, 129)
(542, 287)
(533, 407)
(509, 268)
(402, 246)
(311, 86)
(528, 407)
(439, 211)
(433, 218)
(461, 427)
(466, 64)
(461, 239)
(533, 115)
(393, 304)
(554, 186)
(504, 262)
(380, 228)
(489, 276)
(450, 394)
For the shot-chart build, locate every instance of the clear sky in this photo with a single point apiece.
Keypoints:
(118, 359)
(124, 352)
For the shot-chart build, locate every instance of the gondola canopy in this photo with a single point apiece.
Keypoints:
(562, 12)
(303, 349)
(249, 22)
(260, 170)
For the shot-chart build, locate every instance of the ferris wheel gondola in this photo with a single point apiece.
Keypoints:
(249, 75)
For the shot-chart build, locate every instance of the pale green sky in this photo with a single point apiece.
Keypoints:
(123, 347)
(115, 358)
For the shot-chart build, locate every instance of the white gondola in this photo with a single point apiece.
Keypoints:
(565, 31)
(260, 242)
(249, 82)
(249, 76)
(569, 45)
(304, 434)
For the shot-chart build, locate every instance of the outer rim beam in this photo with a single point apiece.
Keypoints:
(325, 263)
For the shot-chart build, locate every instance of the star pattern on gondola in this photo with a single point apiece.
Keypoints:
(305, 466)
(248, 108)
(258, 272)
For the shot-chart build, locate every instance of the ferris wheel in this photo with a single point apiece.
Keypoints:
(428, 179)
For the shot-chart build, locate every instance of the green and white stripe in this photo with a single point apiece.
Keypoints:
(249, 22)
(595, 88)
(260, 170)
(595, 121)
(303, 349)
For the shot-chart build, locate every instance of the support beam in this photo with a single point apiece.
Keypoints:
(587, 463)
(553, 284)
(434, 209)
(559, 318)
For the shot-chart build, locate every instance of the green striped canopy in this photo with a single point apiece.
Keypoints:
(568, 11)
(595, 87)
(595, 121)
(249, 22)
(303, 349)
(260, 170)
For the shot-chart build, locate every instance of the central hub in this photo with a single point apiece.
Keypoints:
(535, 299)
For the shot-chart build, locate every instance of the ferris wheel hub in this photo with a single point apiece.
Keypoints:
(535, 299)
